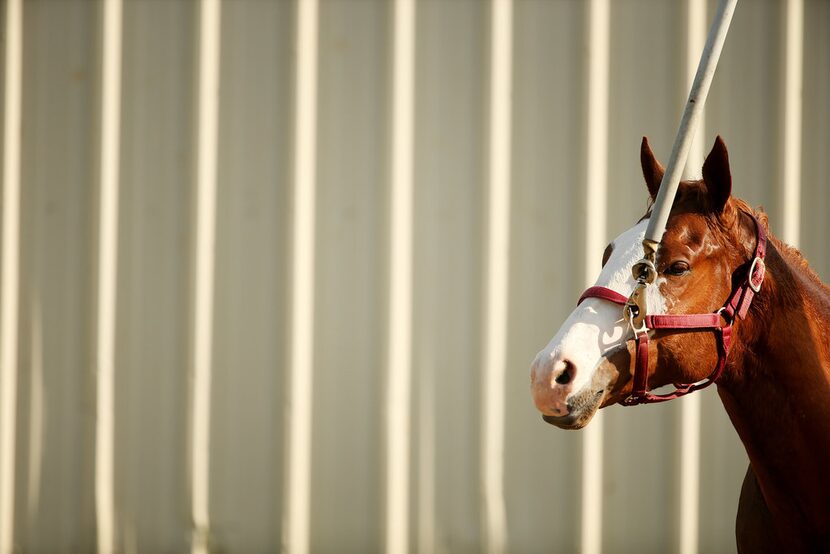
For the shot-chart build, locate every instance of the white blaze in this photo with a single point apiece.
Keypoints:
(597, 326)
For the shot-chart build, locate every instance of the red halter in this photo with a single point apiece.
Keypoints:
(736, 305)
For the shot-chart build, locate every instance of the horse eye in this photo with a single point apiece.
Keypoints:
(678, 268)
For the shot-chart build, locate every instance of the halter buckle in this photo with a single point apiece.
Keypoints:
(763, 268)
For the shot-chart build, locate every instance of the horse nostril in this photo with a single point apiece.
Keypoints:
(567, 374)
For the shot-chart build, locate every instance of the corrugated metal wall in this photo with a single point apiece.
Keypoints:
(273, 271)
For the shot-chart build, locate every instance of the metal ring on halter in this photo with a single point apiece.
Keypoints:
(644, 271)
(722, 312)
(755, 288)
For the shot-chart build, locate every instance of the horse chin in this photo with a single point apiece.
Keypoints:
(581, 409)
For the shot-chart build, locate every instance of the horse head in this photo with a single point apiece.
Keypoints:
(589, 363)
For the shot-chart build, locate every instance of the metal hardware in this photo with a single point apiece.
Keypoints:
(722, 312)
(644, 271)
(631, 318)
(650, 249)
(636, 307)
(755, 288)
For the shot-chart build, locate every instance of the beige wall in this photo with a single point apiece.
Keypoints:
(55, 453)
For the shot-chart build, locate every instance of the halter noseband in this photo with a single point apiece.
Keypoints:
(736, 305)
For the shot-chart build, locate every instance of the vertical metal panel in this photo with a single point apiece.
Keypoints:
(541, 476)
(252, 269)
(301, 365)
(36, 417)
(496, 273)
(61, 107)
(351, 276)
(596, 199)
(154, 278)
(110, 150)
(203, 289)
(451, 62)
(696, 27)
(815, 200)
(399, 364)
(10, 267)
(793, 82)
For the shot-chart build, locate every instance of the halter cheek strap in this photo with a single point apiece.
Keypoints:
(720, 322)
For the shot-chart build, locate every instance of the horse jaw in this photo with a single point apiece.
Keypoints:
(572, 377)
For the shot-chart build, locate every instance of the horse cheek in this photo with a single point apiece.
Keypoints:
(685, 358)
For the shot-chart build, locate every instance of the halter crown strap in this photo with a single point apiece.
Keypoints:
(720, 322)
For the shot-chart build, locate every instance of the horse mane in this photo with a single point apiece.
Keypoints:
(790, 253)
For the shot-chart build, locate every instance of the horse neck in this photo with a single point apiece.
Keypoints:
(777, 386)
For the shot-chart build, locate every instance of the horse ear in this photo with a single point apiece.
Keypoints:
(717, 176)
(652, 170)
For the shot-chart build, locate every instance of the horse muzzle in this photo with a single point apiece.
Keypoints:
(552, 388)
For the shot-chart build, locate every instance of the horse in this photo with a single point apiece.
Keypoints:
(731, 305)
